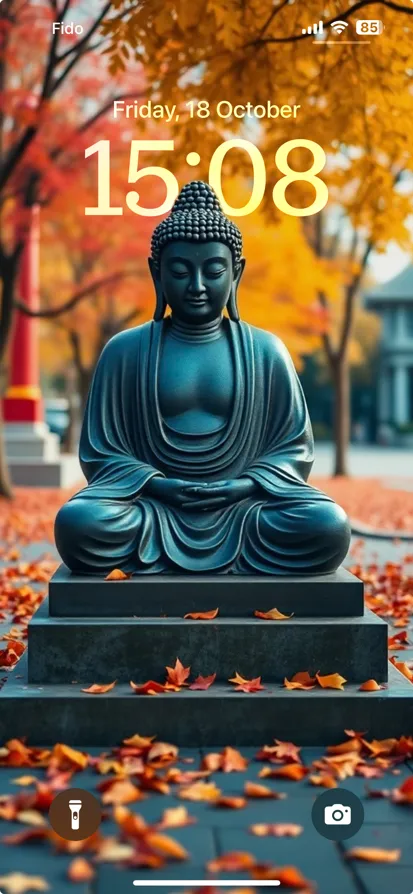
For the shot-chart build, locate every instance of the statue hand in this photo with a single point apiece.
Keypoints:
(172, 491)
(220, 493)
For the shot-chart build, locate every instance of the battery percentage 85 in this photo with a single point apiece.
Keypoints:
(369, 26)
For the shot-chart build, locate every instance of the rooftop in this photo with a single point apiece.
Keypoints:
(398, 289)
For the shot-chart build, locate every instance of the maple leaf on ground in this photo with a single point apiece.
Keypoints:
(121, 791)
(233, 861)
(295, 772)
(289, 876)
(344, 747)
(374, 854)
(273, 615)
(280, 830)
(118, 574)
(203, 683)
(100, 688)
(398, 641)
(281, 752)
(151, 687)
(242, 685)
(370, 686)
(165, 846)
(200, 791)
(403, 668)
(331, 681)
(80, 870)
(64, 757)
(19, 883)
(161, 754)
(302, 680)
(11, 654)
(404, 794)
(326, 780)
(232, 802)
(202, 616)
(178, 675)
(137, 741)
(175, 818)
(113, 851)
(255, 790)
(132, 825)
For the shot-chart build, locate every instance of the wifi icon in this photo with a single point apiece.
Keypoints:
(338, 27)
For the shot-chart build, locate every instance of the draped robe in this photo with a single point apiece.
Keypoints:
(287, 526)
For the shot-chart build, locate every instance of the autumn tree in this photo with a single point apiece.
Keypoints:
(354, 100)
(55, 94)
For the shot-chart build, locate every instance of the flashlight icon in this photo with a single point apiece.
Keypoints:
(75, 807)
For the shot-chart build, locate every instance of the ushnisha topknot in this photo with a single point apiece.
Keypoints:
(197, 216)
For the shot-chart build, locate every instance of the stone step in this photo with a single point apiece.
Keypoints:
(94, 650)
(326, 595)
(217, 717)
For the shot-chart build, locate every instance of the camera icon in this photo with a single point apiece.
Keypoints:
(337, 815)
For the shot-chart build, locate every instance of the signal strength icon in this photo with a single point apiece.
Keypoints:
(317, 28)
(339, 27)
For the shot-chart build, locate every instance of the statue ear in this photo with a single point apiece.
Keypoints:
(232, 305)
(160, 307)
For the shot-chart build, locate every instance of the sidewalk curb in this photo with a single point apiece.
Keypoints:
(361, 530)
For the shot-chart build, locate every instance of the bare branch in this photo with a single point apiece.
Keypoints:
(88, 290)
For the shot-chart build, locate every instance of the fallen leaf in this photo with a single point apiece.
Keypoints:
(161, 754)
(19, 883)
(175, 817)
(232, 802)
(203, 682)
(65, 758)
(370, 686)
(243, 685)
(289, 876)
(122, 791)
(273, 615)
(117, 574)
(99, 688)
(166, 846)
(179, 674)
(326, 780)
(80, 871)
(151, 687)
(25, 780)
(398, 640)
(302, 680)
(113, 851)
(295, 772)
(404, 794)
(202, 616)
(255, 790)
(374, 854)
(403, 668)
(31, 818)
(280, 830)
(200, 791)
(233, 861)
(331, 681)
(141, 742)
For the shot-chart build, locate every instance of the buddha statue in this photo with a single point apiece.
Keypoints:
(196, 442)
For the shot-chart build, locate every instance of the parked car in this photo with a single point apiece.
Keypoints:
(57, 415)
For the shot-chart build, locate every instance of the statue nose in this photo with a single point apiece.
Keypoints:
(197, 286)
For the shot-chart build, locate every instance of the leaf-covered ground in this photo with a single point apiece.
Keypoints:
(187, 814)
(370, 501)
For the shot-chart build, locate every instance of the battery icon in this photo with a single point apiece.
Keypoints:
(369, 26)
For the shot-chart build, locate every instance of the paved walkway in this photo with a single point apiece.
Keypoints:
(369, 461)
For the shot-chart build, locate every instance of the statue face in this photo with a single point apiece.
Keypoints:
(196, 279)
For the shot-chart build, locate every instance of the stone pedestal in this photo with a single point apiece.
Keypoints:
(95, 631)
(34, 458)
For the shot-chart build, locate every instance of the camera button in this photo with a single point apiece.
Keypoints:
(337, 814)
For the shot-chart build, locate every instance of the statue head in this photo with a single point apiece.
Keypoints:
(196, 262)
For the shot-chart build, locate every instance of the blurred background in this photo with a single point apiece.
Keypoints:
(337, 287)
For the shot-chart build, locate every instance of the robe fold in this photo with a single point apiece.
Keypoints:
(125, 442)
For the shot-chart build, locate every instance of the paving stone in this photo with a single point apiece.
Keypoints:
(391, 836)
(75, 595)
(383, 879)
(85, 649)
(317, 858)
(38, 860)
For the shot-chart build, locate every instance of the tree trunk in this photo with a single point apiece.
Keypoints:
(341, 380)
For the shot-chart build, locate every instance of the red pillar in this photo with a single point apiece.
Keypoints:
(23, 400)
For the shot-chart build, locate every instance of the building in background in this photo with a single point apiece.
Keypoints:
(393, 302)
